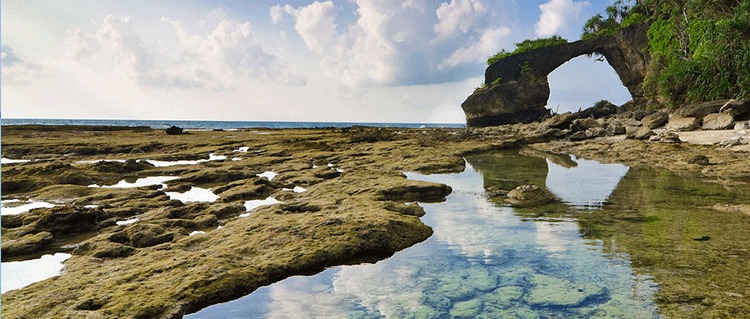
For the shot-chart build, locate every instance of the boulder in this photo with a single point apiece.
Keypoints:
(578, 136)
(617, 129)
(669, 137)
(655, 120)
(699, 110)
(683, 124)
(601, 109)
(642, 133)
(699, 160)
(733, 141)
(596, 132)
(174, 130)
(718, 121)
(584, 124)
(559, 121)
(740, 110)
(529, 196)
(513, 101)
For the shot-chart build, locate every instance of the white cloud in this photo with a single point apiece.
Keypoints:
(477, 52)
(458, 15)
(390, 43)
(223, 57)
(315, 23)
(556, 15)
(15, 70)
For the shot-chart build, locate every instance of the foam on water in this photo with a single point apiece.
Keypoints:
(145, 181)
(243, 149)
(196, 232)
(19, 274)
(195, 194)
(9, 207)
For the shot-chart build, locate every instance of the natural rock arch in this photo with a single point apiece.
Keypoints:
(516, 87)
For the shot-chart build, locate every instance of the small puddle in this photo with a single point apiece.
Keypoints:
(15, 207)
(19, 274)
(268, 175)
(4, 160)
(211, 157)
(253, 204)
(195, 194)
(140, 182)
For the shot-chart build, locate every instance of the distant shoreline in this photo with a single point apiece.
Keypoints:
(210, 125)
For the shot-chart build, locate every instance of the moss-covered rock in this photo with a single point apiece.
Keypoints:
(552, 292)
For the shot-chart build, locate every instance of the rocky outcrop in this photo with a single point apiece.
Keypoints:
(516, 88)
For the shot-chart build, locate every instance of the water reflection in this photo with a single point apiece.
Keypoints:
(588, 184)
(483, 261)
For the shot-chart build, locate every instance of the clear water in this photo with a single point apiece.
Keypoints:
(485, 260)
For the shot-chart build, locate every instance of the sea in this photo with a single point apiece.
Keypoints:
(225, 125)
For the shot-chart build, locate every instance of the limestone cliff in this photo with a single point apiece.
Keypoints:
(516, 87)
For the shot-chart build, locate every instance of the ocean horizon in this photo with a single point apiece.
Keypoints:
(215, 124)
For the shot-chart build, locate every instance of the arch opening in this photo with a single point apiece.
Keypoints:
(581, 82)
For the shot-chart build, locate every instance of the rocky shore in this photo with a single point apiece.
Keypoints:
(341, 198)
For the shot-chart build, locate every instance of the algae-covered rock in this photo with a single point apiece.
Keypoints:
(423, 312)
(415, 191)
(529, 195)
(412, 209)
(504, 297)
(146, 235)
(466, 309)
(104, 249)
(205, 221)
(552, 292)
(27, 244)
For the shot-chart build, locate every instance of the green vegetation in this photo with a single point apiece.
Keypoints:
(619, 15)
(699, 48)
(700, 51)
(527, 45)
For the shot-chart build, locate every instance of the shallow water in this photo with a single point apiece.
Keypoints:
(268, 175)
(253, 204)
(12, 161)
(195, 194)
(211, 157)
(485, 260)
(145, 181)
(19, 274)
(15, 207)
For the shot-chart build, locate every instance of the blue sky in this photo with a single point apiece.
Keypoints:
(349, 60)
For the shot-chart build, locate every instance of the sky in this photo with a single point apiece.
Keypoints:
(397, 61)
